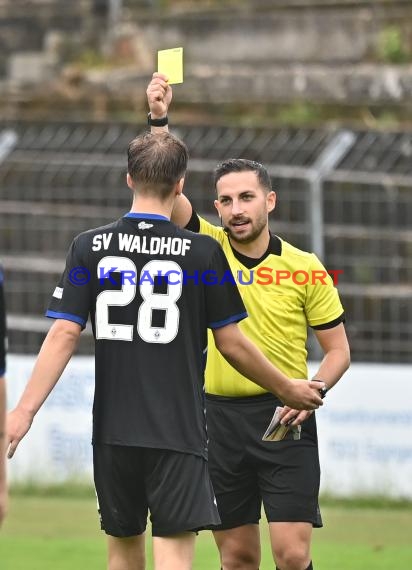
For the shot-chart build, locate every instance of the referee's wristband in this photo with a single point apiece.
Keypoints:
(157, 122)
(322, 391)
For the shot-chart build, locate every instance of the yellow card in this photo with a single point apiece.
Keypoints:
(170, 62)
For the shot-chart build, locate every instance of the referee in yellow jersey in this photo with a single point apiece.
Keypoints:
(285, 290)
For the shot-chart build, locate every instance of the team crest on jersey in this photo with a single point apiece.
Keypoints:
(144, 226)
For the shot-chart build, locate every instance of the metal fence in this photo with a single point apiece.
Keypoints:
(345, 195)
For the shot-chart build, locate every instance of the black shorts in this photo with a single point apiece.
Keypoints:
(247, 471)
(175, 487)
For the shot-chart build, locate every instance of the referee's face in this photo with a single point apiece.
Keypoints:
(243, 205)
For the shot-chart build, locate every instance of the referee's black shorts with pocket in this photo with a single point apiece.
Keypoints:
(247, 471)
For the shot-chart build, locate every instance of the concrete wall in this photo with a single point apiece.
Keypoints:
(328, 34)
(266, 52)
(26, 27)
(326, 52)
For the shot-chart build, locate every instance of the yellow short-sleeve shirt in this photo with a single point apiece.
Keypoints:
(283, 294)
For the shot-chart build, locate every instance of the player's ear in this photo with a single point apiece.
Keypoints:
(129, 182)
(217, 206)
(179, 186)
(271, 201)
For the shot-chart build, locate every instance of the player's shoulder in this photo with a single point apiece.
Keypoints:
(296, 254)
(88, 235)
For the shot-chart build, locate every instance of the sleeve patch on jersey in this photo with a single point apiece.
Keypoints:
(58, 292)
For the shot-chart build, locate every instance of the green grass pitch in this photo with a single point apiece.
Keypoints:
(61, 533)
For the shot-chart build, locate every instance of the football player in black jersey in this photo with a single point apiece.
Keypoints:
(3, 482)
(152, 290)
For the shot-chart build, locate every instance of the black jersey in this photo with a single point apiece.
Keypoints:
(152, 290)
(2, 327)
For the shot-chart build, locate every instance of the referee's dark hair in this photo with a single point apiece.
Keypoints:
(156, 162)
(243, 165)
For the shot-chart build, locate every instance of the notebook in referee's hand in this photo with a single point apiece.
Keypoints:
(276, 431)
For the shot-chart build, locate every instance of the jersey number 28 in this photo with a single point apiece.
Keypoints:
(151, 301)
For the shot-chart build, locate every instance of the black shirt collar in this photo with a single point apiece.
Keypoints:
(274, 248)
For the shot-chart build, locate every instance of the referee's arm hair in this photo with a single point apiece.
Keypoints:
(243, 355)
